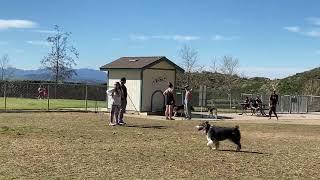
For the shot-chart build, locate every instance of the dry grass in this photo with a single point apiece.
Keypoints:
(80, 145)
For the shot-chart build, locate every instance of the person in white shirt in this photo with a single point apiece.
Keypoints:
(115, 100)
(187, 102)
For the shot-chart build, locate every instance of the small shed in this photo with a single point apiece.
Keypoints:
(147, 78)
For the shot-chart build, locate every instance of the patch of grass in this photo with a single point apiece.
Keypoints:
(81, 145)
(36, 104)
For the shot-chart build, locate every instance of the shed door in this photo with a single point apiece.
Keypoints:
(157, 101)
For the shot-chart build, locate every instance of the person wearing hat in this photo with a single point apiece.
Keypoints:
(187, 102)
(123, 100)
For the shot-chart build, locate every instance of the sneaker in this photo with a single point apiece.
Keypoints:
(122, 123)
(112, 124)
(171, 119)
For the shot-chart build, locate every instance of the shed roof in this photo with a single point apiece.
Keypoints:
(138, 63)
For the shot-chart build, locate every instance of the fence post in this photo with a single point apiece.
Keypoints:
(48, 98)
(290, 105)
(230, 102)
(5, 96)
(86, 97)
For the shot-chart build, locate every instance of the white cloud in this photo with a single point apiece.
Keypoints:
(314, 20)
(44, 31)
(218, 37)
(185, 38)
(16, 23)
(292, 28)
(39, 43)
(139, 37)
(115, 39)
(313, 33)
(165, 37)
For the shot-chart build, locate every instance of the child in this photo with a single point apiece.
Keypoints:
(115, 101)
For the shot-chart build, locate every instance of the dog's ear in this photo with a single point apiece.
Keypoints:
(206, 122)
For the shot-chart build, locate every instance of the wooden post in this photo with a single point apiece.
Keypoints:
(48, 97)
(86, 97)
(5, 96)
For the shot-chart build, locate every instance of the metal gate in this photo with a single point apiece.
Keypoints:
(299, 104)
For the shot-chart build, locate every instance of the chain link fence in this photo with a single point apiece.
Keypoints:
(46, 96)
(24, 95)
(226, 102)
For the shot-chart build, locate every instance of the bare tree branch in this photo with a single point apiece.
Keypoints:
(229, 65)
(214, 64)
(189, 57)
(62, 57)
(6, 72)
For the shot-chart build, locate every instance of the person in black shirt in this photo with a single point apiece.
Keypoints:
(123, 100)
(273, 104)
(169, 101)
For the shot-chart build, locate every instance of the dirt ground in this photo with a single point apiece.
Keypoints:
(83, 146)
(309, 118)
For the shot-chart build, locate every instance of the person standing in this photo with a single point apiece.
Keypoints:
(187, 102)
(115, 100)
(40, 92)
(123, 99)
(273, 101)
(169, 97)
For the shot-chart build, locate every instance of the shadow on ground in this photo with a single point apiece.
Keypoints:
(147, 126)
(246, 152)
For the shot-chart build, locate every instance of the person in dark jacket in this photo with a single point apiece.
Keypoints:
(273, 101)
(123, 100)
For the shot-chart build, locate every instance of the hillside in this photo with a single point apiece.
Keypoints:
(307, 83)
(83, 75)
(304, 83)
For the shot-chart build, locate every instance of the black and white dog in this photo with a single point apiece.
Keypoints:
(216, 134)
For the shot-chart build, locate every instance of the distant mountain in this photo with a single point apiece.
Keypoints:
(84, 75)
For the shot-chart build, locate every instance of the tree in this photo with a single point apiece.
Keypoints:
(229, 67)
(62, 56)
(6, 73)
(214, 65)
(189, 58)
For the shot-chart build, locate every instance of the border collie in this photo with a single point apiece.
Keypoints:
(216, 134)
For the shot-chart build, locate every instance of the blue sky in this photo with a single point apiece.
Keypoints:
(270, 38)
